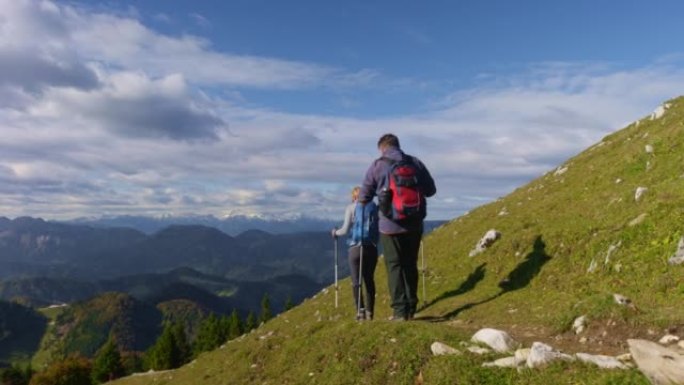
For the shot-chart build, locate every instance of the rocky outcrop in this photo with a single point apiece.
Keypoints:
(678, 257)
(442, 349)
(560, 171)
(622, 300)
(663, 366)
(487, 240)
(542, 354)
(640, 191)
(668, 339)
(659, 111)
(579, 324)
(498, 340)
(603, 362)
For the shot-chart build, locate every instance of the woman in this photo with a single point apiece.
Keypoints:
(362, 220)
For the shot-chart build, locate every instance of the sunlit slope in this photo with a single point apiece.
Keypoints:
(555, 228)
(532, 282)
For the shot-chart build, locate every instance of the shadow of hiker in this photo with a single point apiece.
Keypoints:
(523, 274)
(518, 278)
(469, 284)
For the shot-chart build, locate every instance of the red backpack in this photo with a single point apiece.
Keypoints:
(401, 198)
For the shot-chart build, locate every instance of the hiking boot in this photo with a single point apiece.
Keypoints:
(361, 316)
(369, 315)
(396, 318)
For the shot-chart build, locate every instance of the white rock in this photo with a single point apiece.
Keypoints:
(618, 181)
(267, 335)
(521, 356)
(478, 350)
(542, 354)
(624, 357)
(649, 149)
(637, 220)
(579, 324)
(498, 340)
(611, 250)
(506, 362)
(560, 171)
(487, 240)
(622, 300)
(668, 339)
(441, 349)
(659, 112)
(592, 266)
(603, 362)
(639, 192)
(660, 364)
(678, 257)
(680, 344)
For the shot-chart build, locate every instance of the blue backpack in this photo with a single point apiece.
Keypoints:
(365, 226)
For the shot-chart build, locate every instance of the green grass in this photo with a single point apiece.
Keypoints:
(49, 344)
(555, 226)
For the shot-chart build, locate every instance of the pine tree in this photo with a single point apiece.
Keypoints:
(208, 336)
(107, 365)
(181, 339)
(170, 349)
(235, 325)
(250, 322)
(288, 303)
(224, 329)
(265, 309)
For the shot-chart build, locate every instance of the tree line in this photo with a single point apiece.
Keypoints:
(172, 349)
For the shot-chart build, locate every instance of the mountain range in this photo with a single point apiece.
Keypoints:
(31, 247)
(590, 240)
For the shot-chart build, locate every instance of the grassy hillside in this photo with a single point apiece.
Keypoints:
(533, 282)
(84, 327)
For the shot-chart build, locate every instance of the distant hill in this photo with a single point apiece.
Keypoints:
(36, 248)
(569, 241)
(30, 246)
(84, 327)
(211, 293)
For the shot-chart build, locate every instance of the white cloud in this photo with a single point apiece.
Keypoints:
(117, 121)
(200, 20)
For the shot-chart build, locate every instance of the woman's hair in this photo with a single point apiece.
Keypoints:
(355, 193)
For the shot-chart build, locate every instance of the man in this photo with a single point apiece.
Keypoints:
(401, 228)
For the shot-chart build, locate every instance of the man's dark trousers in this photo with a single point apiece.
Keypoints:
(401, 259)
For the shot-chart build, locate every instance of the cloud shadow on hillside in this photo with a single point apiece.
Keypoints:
(518, 278)
(469, 284)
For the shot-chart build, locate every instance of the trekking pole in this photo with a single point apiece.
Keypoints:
(359, 307)
(336, 287)
(422, 255)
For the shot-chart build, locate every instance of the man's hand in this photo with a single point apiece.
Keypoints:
(334, 233)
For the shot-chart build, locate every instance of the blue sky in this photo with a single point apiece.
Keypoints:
(274, 108)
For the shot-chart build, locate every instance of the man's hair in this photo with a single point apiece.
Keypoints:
(388, 140)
